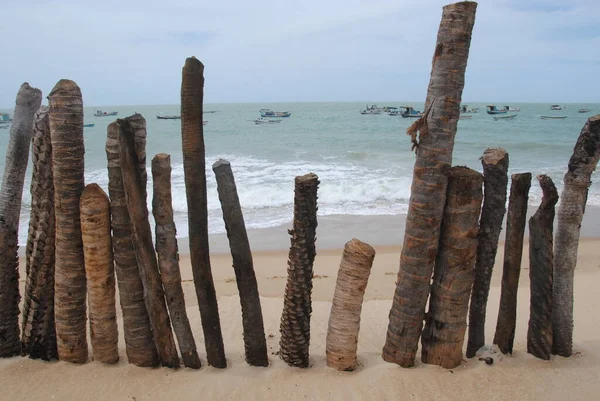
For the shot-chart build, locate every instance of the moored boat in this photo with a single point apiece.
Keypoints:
(173, 117)
(511, 117)
(5, 118)
(491, 109)
(410, 112)
(584, 110)
(102, 113)
(274, 114)
(556, 107)
(465, 117)
(466, 110)
(263, 120)
(372, 109)
(510, 108)
(88, 125)
(553, 117)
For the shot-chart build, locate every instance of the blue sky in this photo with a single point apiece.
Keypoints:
(131, 51)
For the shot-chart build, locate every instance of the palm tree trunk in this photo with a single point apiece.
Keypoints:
(139, 342)
(144, 248)
(168, 259)
(255, 342)
(446, 320)
(570, 214)
(344, 318)
(428, 192)
(66, 131)
(39, 332)
(17, 156)
(513, 252)
(194, 167)
(297, 304)
(541, 263)
(495, 179)
(100, 273)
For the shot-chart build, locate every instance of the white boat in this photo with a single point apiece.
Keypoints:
(466, 110)
(262, 120)
(372, 109)
(511, 117)
(102, 113)
(553, 117)
(510, 108)
(556, 107)
(271, 113)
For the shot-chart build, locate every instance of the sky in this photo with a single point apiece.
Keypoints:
(130, 52)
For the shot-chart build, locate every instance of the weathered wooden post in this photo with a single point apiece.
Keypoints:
(513, 252)
(495, 180)
(194, 168)
(139, 342)
(168, 259)
(446, 320)
(570, 214)
(144, 248)
(297, 304)
(255, 343)
(17, 156)
(100, 273)
(344, 318)
(541, 263)
(66, 131)
(39, 333)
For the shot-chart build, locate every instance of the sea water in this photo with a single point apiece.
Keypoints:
(364, 162)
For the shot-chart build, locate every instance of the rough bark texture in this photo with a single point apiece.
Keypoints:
(297, 305)
(144, 248)
(39, 334)
(194, 167)
(570, 214)
(495, 180)
(168, 259)
(446, 320)
(428, 192)
(139, 343)
(516, 219)
(100, 273)
(541, 262)
(255, 343)
(344, 318)
(17, 156)
(66, 131)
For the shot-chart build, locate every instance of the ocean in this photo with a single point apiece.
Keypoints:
(364, 162)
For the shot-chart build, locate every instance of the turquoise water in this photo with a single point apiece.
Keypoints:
(364, 161)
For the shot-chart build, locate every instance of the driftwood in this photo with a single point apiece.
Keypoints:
(39, 334)
(495, 179)
(100, 273)
(344, 318)
(139, 342)
(297, 306)
(144, 248)
(516, 219)
(17, 156)
(541, 262)
(255, 343)
(446, 320)
(168, 259)
(194, 167)
(66, 131)
(570, 214)
(428, 192)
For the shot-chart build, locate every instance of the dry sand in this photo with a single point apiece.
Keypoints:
(517, 377)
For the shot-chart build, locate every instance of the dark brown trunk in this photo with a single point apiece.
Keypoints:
(168, 259)
(541, 264)
(144, 249)
(194, 168)
(297, 304)
(516, 219)
(255, 343)
(495, 181)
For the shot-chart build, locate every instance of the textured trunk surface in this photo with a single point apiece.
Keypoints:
(145, 255)
(100, 273)
(297, 304)
(428, 192)
(344, 318)
(168, 259)
(17, 156)
(194, 167)
(66, 131)
(516, 219)
(139, 342)
(570, 214)
(255, 343)
(541, 263)
(446, 320)
(495, 180)
(39, 334)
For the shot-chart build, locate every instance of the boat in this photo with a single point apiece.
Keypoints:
(491, 109)
(409, 112)
(173, 117)
(584, 110)
(510, 108)
(372, 109)
(277, 114)
(466, 110)
(555, 107)
(5, 118)
(102, 113)
(209, 111)
(553, 117)
(88, 125)
(511, 117)
(265, 121)
(465, 117)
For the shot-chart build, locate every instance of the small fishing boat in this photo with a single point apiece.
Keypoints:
(511, 117)
(102, 113)
(553, 117)
(491, 109)
(372, 109)
(584, 110)
(465, 117)
(265, 121)
(409, 112)
(466, 110)
(510, 108)
(5, 118)
(555, 107)
(277, 114)
(173, 117)
(209, 111)
(88, 125)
